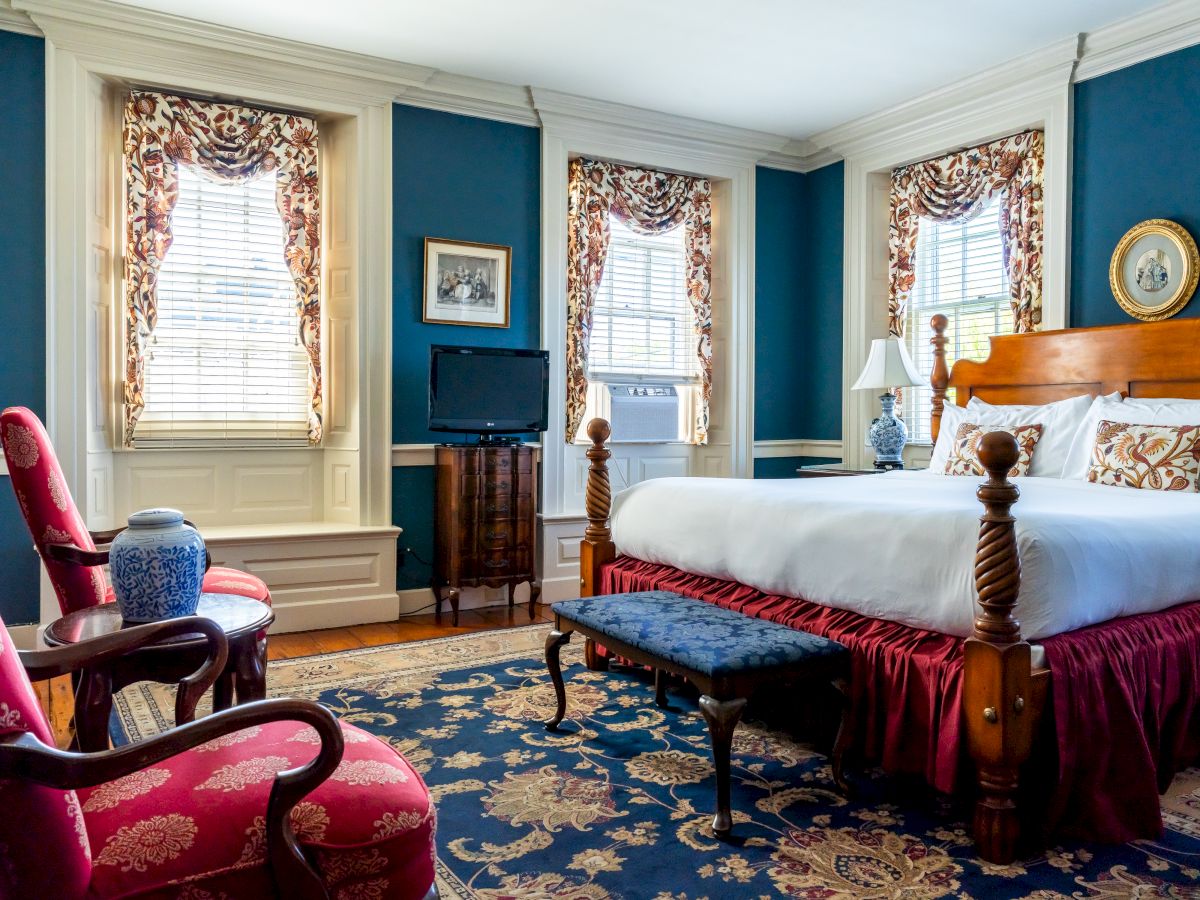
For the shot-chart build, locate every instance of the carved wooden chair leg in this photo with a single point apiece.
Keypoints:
(841, 742)
(722, 717)
(554, 642)
(593, 660)
(93, 705)
(660, 689)
(223, 691)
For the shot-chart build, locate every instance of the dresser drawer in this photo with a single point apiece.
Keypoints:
(521, 463)
(496, 485)
(501, 563)
(501, 533)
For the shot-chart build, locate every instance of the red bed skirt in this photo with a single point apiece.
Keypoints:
(1126, 698)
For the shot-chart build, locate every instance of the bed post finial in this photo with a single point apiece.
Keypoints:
(598, 499)
(998, 703)
(597, 547)
(997, 564)
(939, 378)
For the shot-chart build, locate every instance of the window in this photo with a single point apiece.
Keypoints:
(961, 274)
(225, 362)
(642, 322)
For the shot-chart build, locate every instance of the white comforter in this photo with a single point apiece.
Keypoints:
(901, 546)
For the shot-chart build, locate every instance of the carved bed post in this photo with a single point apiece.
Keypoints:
(997, 701)
(597, 547)
(939, 378)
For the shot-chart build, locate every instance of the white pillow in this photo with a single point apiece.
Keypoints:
(1060, 421)
(953, 415)
(1135, 411)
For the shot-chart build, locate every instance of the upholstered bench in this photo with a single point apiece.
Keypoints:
(725, 654)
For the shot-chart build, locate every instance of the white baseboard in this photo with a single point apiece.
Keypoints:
(420, 600)
(336, 613)
(557, 589)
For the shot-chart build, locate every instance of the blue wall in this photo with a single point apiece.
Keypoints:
(797, 310)
(22, 298)
(781, 229)
(822, 336)
(1137, 131)
(466, 179)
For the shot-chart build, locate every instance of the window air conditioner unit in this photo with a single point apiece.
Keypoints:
(644, 412)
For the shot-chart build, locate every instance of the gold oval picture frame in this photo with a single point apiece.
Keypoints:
(1154, 270)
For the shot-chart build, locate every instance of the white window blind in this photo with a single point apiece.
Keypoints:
(961, 274)
(642, 322)
(225, 363)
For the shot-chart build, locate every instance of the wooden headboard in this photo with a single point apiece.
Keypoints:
(1143, 359)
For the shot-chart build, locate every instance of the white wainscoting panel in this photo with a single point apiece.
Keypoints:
(320, 575)
(560, 556)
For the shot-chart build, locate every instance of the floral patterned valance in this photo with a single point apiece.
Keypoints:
(229, 143)
(650, 202)
(959, 187)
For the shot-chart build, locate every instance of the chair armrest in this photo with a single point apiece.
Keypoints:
(109, 648)
(71, 553)
(24, 757)
(105, 537)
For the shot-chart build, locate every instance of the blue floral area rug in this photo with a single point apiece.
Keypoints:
(618, 804)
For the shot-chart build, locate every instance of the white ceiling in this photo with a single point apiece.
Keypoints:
(791, 67)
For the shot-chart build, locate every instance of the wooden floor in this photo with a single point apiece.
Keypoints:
(56, 699)
(410, 628)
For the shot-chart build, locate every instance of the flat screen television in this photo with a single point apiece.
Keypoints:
(487, 390)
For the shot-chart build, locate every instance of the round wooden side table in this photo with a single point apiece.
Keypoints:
(241, 618)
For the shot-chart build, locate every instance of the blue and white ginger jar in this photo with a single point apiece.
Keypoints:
(157, 566)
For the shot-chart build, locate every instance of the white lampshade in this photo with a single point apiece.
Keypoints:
(888, 366)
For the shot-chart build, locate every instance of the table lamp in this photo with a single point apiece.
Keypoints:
(887, 367)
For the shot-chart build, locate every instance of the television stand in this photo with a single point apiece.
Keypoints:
(485, 521)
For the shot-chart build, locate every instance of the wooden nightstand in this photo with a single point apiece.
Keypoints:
(832, 471)
(838, 470)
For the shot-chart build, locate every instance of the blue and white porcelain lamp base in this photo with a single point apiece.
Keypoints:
(888, 435)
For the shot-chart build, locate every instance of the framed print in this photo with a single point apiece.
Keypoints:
(466, 283)
(1154, 269)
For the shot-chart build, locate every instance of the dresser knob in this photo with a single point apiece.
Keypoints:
(495, 563)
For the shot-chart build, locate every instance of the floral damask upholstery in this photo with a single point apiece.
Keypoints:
(39, 823)
(52, 518)
(193, 826)
(964, 452)
(1153, 457)
(198, 818)
(708, 639)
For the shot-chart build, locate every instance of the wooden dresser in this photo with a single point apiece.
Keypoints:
(485, 521)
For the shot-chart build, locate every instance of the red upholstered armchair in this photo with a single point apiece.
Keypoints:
(73, 560)
(270, 799)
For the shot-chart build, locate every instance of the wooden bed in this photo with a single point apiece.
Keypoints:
(1004, 699)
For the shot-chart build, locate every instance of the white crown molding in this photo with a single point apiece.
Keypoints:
(802, 447)
(11, 20)
(99, 33)
(1037, 73)
(583, 117)
(476, 97)
(799, 156)
(1164, 29)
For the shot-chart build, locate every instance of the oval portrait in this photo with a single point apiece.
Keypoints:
(1154, 269)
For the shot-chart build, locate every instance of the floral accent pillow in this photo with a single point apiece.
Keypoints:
(964, 452)
(1153, 457)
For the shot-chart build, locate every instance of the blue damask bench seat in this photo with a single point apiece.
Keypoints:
(725, 654)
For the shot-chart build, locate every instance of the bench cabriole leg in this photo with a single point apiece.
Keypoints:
(554, 642)
(722, 717)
